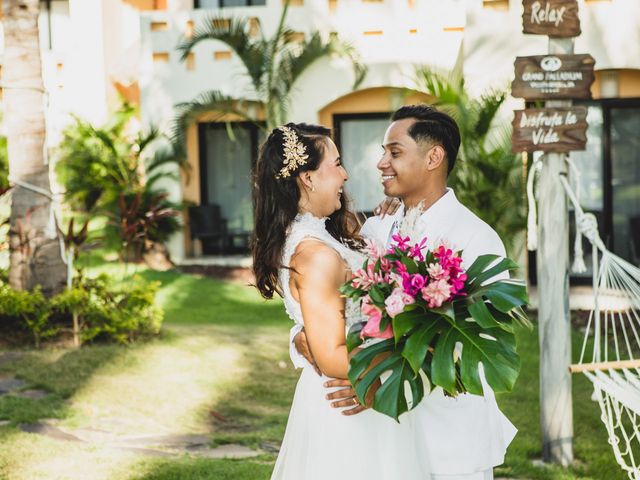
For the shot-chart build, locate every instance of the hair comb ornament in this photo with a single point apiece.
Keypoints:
(295, 153)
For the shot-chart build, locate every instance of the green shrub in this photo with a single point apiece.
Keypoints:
(103, 311)
(93, 309)
(31, 308)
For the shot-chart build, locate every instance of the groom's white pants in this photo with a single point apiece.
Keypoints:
(486, 475)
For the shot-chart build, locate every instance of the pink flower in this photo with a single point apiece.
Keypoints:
(436, 272)
(436, 292)
(366, 279)
(372, 327)
(412, 283)
(396, 301)
(457, 284)
(373, 249)
(416, 250)
(385, 264)
(401, 242)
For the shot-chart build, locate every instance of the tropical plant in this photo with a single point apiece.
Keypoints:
(273, 65)
(142, 218)
(99, 166)
(40, 261)
(487, 177)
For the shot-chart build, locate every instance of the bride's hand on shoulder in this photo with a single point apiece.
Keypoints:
(388, 206)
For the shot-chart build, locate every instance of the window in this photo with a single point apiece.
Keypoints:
(609, 180)
(359, 137)
(225, 172)
(162, 57)
(496, 4)
(190, 61)
(227, 3)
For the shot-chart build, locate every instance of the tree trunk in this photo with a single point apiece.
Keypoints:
(35, 257)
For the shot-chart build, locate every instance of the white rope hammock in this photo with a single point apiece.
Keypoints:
(610, 354)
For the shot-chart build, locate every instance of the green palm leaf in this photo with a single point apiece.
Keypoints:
(234, 33)
(211, 101)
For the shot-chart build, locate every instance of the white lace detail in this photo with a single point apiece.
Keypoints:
(307, 226)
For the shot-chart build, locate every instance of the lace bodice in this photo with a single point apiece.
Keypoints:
(307, 226)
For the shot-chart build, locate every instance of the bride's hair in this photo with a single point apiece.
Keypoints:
(275, 203)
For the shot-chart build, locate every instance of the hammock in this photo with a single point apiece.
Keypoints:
(610, 355)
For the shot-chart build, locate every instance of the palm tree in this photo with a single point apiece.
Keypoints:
(35, 252)
(272, 64)
(488, 177)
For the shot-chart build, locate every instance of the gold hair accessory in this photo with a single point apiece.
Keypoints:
(295, 153)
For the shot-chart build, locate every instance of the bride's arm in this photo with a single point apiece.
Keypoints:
(319, 272)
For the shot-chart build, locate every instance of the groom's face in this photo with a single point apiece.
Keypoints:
(403, 162)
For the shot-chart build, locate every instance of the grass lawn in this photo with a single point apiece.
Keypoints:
(220, 368)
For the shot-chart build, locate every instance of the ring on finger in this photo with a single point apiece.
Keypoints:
(355, 400)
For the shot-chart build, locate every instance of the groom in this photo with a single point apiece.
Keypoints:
(466, 436)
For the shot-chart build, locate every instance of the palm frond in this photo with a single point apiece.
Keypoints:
(211, 101)
(147, 137)
(486, 108)
(234, 32)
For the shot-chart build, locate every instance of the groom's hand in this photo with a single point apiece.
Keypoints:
(388, 206)
(302, 346)
(344, 397)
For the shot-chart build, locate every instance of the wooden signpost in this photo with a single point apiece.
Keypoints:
(544, 77)
(556, 18)
(557, 78)
(550, 129)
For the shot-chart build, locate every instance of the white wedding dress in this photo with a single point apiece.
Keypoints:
(320, 443)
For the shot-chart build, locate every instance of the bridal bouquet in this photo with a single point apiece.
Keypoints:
(427, 314)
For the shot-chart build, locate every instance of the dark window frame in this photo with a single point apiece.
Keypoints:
(254, 132)
(606, 229)
(248, 3)
(338, 118)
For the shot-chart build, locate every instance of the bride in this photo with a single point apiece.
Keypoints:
(305, 246)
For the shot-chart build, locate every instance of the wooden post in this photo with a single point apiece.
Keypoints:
(556, 411)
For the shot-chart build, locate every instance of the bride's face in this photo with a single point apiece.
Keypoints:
(328, 181)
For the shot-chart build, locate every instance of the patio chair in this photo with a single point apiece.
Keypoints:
(207, 225)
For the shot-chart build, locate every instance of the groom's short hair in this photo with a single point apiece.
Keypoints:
(432, 126)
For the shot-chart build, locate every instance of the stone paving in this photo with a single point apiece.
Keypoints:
(100, 436)
(152, 445)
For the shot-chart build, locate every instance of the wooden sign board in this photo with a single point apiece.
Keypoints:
(556, 18)
(542, 77)
(550, 129)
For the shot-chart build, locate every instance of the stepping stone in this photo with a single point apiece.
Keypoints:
(48, 431)
(146, 451)
(32, 394)
(270, 447)
(4, 423)
(7, 357)
(224, 451)
(9, 384)
(172, 441)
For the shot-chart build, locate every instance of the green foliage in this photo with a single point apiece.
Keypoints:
(141, 218)
(106, 312)
(29, 307)
(272, 64)
(488, 177)
(4, 164)
(100, 165)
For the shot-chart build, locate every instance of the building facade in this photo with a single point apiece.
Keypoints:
(94, 50)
